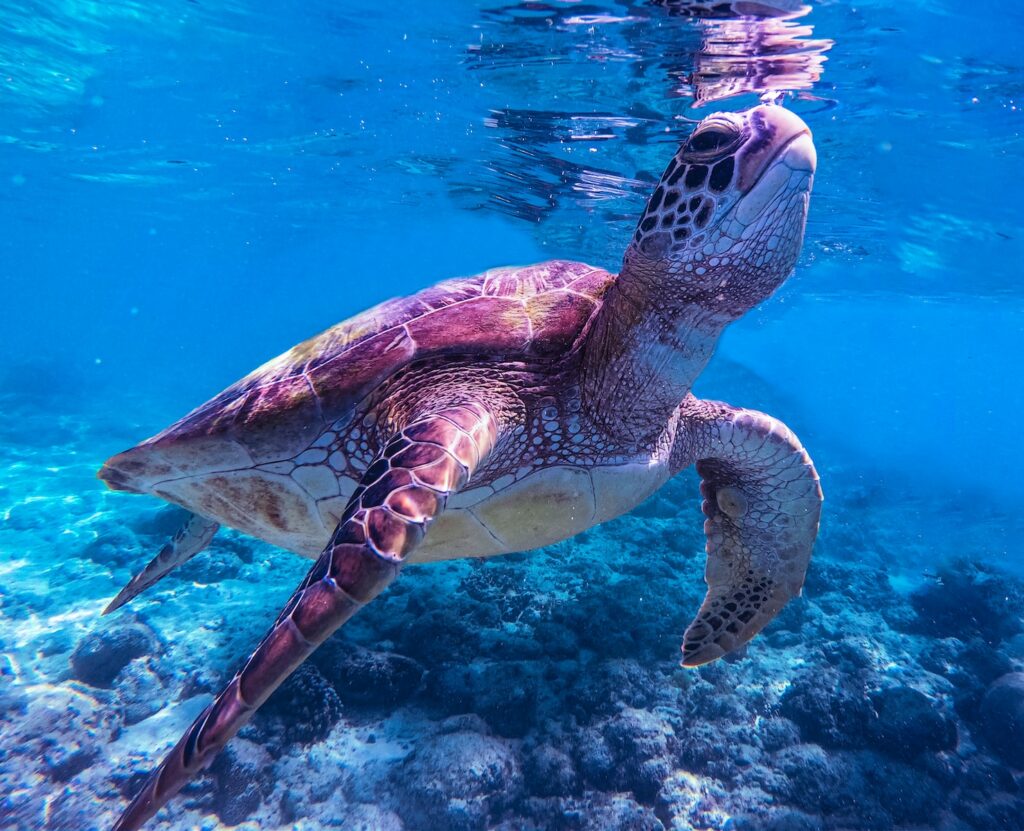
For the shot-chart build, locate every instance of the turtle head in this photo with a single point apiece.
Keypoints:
(724, 227)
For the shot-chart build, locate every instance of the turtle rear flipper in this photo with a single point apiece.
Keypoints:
(762, 501)
(400, 493)
(193, 536)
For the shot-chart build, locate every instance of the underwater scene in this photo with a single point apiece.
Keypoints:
(657, 536)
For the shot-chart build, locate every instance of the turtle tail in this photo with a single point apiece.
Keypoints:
(193, 536)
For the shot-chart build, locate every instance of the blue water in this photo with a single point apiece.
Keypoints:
(190, 188)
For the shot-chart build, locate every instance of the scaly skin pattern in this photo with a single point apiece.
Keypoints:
(762, 500)
(720, 233)
(507, 411)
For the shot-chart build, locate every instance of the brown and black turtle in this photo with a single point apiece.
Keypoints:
(507, 411)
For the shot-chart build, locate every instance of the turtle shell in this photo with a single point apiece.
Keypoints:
(279, 409)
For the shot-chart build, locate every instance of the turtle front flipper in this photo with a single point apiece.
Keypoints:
(400, 493)
(762, 500)
(193, 536)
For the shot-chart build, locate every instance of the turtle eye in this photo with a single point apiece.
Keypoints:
(711, 140)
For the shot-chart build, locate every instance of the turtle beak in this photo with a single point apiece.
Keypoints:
(800, 154)
(781, 138)
(781, 161)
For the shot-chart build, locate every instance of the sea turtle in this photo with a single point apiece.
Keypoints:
(504, 412)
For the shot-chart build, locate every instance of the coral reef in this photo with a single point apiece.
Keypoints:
(535, 691)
